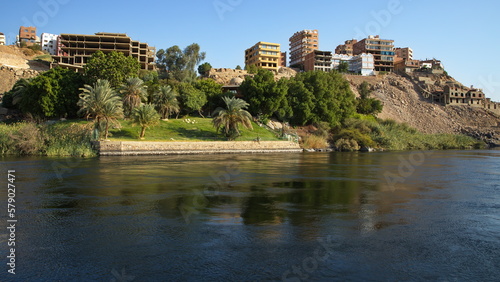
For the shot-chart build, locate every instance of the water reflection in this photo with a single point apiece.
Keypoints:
(174, 214)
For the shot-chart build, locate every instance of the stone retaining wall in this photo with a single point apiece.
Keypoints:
(125, 148)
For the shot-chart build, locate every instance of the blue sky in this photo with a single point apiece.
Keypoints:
(462, 34)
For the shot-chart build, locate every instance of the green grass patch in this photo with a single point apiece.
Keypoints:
(185, 129)
(44, 57)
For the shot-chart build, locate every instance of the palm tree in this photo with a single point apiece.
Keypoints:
(166, 101)
(133, 92)
(229, 119)
(19, 89)
(102, 103)
(146, 116)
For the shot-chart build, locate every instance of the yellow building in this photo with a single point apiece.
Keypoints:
(264, 55)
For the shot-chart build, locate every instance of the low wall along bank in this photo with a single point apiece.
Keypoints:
(127, 148)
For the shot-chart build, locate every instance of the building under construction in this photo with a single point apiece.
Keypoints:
(76, 49)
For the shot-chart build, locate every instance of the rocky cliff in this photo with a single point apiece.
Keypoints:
(404, 101)
(17, 63)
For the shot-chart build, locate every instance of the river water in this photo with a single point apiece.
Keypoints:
(293, 217)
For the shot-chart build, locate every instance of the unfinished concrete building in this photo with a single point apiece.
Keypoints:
(78, 48)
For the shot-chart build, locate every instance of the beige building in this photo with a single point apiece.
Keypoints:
(283, 59)
(456, 94)
(302, 43)
(76, 49)
(318, 60)
(346, 48)
(2, 39)
(404, 53)
(264, 55)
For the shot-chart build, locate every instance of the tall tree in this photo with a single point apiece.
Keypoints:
(366, 105)
(343, 67)
(204, 68)
(265, 96)
(165, 101)
(333, 98)
(213, 92)
(229, 119)
(302, 102)
(180, 64)
(192, 99)
(133, 93)
(145, 115)
(51, 94)
(114, 67)
(102, 103)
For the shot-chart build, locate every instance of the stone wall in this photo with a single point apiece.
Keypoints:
(117, 148)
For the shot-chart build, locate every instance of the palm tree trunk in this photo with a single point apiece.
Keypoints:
(106, 130)
(143, 131)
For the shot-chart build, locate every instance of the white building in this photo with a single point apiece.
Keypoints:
(2, 39)
(363, 64)
(49, 43)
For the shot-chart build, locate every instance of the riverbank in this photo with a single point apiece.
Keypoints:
(133, 148)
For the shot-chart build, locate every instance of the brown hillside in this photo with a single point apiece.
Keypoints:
(404, 103)
(17, 63)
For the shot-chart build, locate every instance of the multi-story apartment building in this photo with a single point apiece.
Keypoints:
(346, 48)
(362, 64)
(407, 66)
(318, 60)
(382, 50)
(76, 49)
(27, 34)
(49, 43)
(404, 53)
(264, 55)
(2, 39)
(283, 59)
(302, 43)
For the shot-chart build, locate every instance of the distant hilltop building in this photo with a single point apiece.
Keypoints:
(27, 35)
(381, 49)
(76, 49)
(302, 43)
(363, 64)
(346, 48)
(49, 43)
(264, 55)
(2, 39)
(318, 60)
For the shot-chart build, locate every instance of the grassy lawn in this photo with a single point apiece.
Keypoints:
(180, 130)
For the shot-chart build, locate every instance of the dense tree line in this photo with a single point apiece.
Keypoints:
(308, 98)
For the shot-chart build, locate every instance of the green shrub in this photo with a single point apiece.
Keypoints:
(314, 142)
(60, 139)
(347, 145)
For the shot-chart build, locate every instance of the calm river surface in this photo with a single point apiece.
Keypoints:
(298, 217)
